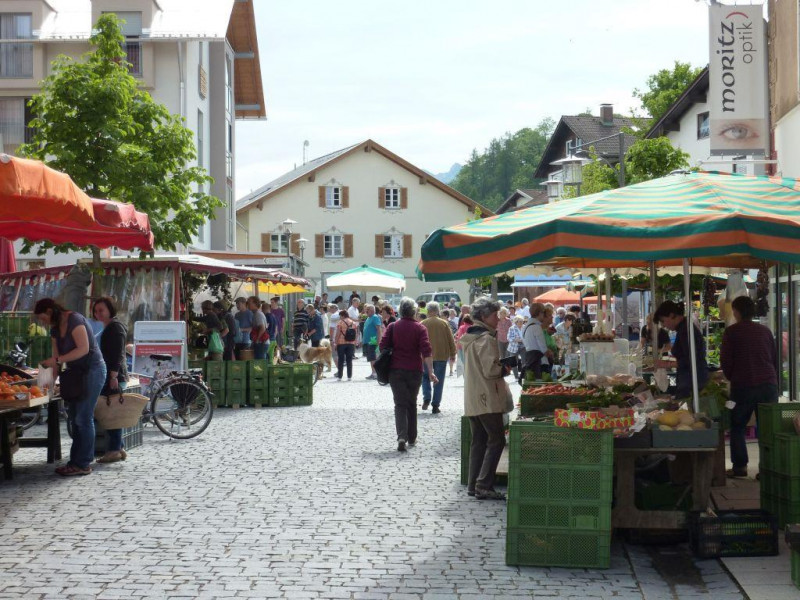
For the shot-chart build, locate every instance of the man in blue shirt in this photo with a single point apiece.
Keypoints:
(372, 335)
(316, 330)
(244, 318)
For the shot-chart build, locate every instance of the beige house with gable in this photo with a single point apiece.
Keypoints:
(359, 205)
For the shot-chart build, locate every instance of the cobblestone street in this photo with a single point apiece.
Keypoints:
(292, 503)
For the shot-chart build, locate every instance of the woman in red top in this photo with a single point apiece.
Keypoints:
(410, 346)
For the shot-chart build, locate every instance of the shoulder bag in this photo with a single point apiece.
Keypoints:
(384, 361)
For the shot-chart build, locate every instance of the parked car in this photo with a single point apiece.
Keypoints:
(440, 297)
(505, 297)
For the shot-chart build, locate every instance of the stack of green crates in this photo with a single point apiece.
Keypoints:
(779, 463)
(559, 496)
(258, 382)
(236, 383)
(466, 442)
(290, 384)
(215, 378)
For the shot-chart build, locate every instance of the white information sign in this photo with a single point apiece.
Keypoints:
(150, 338)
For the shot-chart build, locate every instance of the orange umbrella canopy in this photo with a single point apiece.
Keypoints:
(30, 191)
(559, 296)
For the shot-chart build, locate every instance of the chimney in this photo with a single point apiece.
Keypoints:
(607, 114)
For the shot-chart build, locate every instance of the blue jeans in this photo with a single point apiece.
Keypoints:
(114, 436)
(747, 400)
(440, 370)
(259, 350)
(81, 415)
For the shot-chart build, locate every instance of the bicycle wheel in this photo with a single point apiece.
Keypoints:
(30, 417)
(181, 408)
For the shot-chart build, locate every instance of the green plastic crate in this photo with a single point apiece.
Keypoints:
(775, 418)
(215, 369)
(546, 444)
(236, 369)
(560, 484)
(788, 513)
(766, 456)
(787, 455)
(235, 383)
(280, 393)
(777, 485)
(217, 387)
(258, 396)
(198, 364)
(303, 397)
(562, 515)
(796, 567)
(235, 397)
(257, 370)
(528, 546)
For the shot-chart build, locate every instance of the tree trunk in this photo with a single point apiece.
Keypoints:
(96, 262)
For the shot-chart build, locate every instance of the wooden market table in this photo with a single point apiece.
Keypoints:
(626, 515)
(52, 441)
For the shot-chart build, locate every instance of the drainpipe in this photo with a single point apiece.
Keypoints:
(181, 81)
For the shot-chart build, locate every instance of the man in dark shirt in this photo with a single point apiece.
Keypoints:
(670, 315)
(748, 361)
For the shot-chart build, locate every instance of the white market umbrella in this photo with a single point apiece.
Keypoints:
(367, 278)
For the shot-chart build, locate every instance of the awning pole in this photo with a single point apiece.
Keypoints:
(687, 289)
(625, 309)
(608, 314)
(651, 311)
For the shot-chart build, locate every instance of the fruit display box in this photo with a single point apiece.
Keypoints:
(696, 438)
(593, 419)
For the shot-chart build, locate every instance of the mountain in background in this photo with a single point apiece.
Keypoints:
(449, 175)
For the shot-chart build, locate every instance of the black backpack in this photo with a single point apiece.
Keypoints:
(350, 334)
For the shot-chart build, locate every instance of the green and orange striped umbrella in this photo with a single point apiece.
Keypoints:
(714, 219)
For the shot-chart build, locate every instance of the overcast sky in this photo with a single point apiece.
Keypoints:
(432, 80)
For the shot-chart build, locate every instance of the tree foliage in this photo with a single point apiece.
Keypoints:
(651, 158)
(664, 87)
(94, 122)
(508, 163)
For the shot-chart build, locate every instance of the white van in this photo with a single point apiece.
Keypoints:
(441, 297)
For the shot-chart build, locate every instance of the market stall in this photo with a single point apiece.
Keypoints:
(693, 219)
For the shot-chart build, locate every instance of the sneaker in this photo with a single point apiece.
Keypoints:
(401, 445)
(371, 376)
(435, 410)
(425, 404)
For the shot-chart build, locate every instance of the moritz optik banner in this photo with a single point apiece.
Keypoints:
(737, 80)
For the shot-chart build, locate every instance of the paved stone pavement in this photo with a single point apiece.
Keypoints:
(311, 502)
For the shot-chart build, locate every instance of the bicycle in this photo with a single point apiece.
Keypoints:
(179, 401)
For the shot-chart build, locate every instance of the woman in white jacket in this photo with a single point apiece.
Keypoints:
(486, 399)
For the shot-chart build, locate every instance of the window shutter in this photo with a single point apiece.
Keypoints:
(348, 245)
(381, 197)
(407, 246)
(294, 246)
(403, 197)
(345, 196)
(266, 242)
(378, 245)
(322, 196)
(319, 245)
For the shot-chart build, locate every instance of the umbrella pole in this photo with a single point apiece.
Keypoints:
(687, 288)
(608, 313)
(651, 310)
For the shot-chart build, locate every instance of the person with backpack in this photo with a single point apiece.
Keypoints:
(346, 334)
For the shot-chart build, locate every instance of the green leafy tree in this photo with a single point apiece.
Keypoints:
(651, 158)
(94, 122)
(664, 87)
(508, 163)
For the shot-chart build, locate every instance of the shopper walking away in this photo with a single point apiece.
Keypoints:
(748, 361)
(346, 334)
(486, 399)
(373, 330)
(443, 349)
(112, 347)
(74, 347)
(411, 347)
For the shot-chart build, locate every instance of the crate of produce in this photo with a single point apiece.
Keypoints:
(531, 405)
(132, 437)
(560, 483)
(696, 438)
(528, 546)
(565, 515)
(593, 419)
(786, 458)
(733, 533)
(236, 369)
(215, 369)
(775, 418)
(257, 371)
(546, 444)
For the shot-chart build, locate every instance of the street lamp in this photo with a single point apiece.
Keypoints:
(301, 242)
(572, 170)
(553, 188)
(288, 225)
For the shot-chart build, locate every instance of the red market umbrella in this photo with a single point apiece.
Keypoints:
(558, 296)
(8, 261)
(115, 224)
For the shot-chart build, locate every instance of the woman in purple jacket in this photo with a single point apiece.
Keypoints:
(408, 339)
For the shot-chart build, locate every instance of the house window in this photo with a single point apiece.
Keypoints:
(703, 128)
(16, 60)
(279, 243)
(132, 30)
(15, 115)
(228, 85)
(393, 246)
(333, 197)
(392, 197)
(334, 245)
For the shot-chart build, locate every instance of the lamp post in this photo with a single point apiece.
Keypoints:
(288, 225)
(553, 188)
(301, 242)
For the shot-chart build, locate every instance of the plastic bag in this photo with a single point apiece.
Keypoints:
(45, 379)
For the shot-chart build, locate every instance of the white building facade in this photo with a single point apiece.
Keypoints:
(197, 57)
(360, 205)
